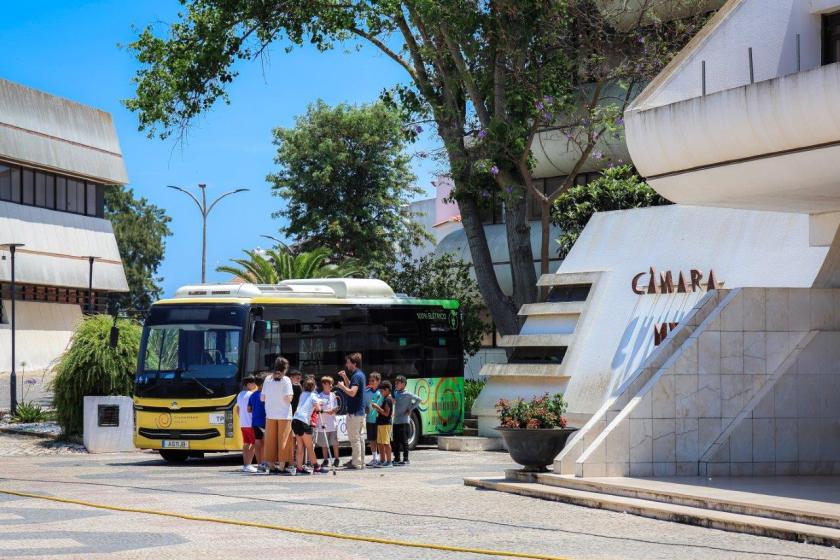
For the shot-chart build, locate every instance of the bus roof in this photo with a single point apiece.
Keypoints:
(309, 291)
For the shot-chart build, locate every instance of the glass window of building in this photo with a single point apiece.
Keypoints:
(831, 38)
(28, 186)
(49, 181)
(90, 206)
(60, 193)
(5, 183)
(40, 189)
(15, 175)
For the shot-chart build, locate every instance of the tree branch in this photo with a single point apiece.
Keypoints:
(384, 48)
(466, 76)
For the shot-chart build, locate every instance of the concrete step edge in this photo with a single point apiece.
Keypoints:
(679, 498)
(725, 521)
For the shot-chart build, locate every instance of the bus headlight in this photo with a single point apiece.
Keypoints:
(229, 423)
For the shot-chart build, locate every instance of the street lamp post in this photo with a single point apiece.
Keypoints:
(13, 377)
(90, 284)
(205, 211)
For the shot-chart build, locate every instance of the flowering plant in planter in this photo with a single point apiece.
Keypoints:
(543, 412)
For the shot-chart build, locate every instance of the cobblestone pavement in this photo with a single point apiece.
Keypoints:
(12, 445)
(426, 502)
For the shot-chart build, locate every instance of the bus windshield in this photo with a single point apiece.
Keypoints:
(191, 351)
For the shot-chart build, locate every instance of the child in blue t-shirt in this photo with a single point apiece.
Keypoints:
(257, 409)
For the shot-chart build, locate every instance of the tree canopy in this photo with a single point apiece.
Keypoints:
(140, 228)
(618, 188)
(489, 76)
(345, 177)
(272, 266)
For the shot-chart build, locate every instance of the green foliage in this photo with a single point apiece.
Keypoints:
(29, 412)
(618, 188)
(495, 73)
(346, 181)
(140, 228)
(275, 265)
(472, 388)
(540, 412)
(442, 277)
(90, 367)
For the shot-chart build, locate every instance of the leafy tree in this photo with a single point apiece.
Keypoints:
(489, 76)
(275, 265)
(91, 367)
(346, 178)
(618, 188)
(443, 277)
(140, 228)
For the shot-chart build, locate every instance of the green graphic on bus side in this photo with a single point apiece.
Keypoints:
(442, 403)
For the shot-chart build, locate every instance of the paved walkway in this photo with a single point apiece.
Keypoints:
(426, 502)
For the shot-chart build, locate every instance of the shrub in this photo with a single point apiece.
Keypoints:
(28, 412)
(91, 367)
(617, 188)
(472, 387)
(540, 412)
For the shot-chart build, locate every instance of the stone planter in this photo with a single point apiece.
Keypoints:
(535, 449)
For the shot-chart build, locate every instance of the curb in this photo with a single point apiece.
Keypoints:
(17, 432)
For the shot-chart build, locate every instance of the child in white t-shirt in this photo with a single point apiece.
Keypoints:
(308, 407)
(326, 431)
(249, 386)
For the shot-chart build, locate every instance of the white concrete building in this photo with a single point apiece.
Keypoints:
(668, 370)
(57, 158)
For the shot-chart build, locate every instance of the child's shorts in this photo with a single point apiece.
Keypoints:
(383, 435)
(248, 436)
(370, 430)
(259, 432)
(326, 438)
(299, 428)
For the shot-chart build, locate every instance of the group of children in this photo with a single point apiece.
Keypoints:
(313, 422)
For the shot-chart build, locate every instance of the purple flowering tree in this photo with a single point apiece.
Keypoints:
(489, 76)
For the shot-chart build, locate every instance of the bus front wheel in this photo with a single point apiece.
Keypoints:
(172, 456)
(414, 430)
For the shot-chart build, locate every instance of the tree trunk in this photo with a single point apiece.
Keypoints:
(499, 305)
(521, 254)
(545, 240)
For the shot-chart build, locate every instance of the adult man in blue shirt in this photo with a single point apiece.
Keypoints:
(354, 389)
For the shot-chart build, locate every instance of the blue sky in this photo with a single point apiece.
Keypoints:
(70, 49)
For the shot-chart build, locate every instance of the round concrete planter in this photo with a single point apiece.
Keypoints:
(535, 449)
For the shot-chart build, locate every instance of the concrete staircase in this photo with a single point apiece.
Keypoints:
(728, 511)
(470, 426)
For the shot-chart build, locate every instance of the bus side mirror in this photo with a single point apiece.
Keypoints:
(114, 337)
(260, 329)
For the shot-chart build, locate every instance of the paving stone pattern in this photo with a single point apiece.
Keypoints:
(426, 502)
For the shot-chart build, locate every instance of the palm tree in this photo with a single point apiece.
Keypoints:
(272, 266)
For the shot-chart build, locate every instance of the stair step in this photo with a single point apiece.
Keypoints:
(470, 432)
(675, 497)
(471, 423)
(702, 517)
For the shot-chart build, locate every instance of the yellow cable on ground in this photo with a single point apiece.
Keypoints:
(297, 530)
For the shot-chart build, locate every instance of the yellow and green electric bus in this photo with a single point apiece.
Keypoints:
(197, 347)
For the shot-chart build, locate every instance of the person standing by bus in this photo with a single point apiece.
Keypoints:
(372, 397)
(354, 388)
(406, 402)
(249, 385)
(277, 395)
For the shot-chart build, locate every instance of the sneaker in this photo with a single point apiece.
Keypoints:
(351, 467)
(250, 469)
(399, 464)
(386, 465)
(335, 462)
(406, 463)
(305, 469)
(374, 463)
(290, 470)
(325, 463)
(319, 469)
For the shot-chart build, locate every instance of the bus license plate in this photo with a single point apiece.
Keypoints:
(216, 418)
(175, 444)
